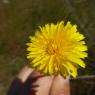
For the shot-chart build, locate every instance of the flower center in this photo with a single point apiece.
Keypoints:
(51, 48)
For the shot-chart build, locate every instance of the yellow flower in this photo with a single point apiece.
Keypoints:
(57, 49)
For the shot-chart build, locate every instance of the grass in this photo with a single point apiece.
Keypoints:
(19, 19)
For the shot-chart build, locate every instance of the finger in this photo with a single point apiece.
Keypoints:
(60, 86)
(24, 73)
(44, 85)
(36, 74)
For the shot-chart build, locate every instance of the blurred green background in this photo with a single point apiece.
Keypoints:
(20, 18)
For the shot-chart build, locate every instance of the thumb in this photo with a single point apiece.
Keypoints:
(60, 86)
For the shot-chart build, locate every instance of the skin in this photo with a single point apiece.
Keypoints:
(47, 85)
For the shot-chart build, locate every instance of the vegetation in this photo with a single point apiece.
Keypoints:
(19, 19)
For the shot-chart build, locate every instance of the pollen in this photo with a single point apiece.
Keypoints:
(52, 48)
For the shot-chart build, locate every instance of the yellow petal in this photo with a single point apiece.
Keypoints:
(76, 60)
(63, 71)
(81, 48)
(72, 69)
(51, 65)
(70, 65)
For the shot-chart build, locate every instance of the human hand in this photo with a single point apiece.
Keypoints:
(36, 84)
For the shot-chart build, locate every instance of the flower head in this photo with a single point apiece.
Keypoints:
(57, 49)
